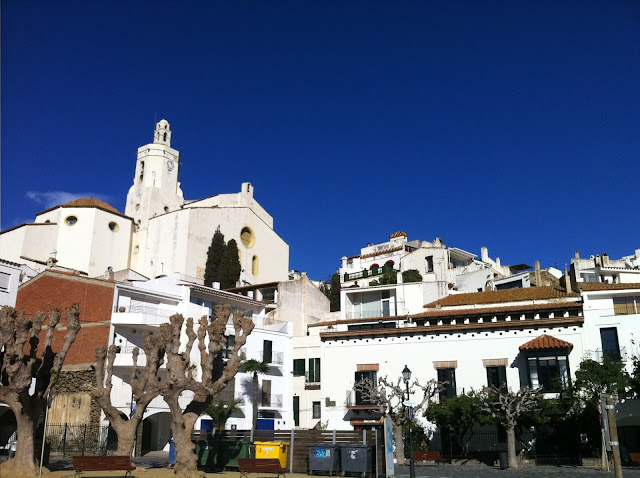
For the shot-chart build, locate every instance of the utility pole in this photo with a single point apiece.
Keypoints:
(613, 432)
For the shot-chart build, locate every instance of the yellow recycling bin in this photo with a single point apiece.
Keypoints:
(273, 449)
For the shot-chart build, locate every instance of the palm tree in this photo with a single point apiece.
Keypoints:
(221, 412)
(256, 367)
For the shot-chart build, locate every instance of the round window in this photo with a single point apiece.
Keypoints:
(71, 220)
(113, 226)
(247, 237)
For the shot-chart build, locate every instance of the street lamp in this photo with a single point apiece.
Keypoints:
(406, 376)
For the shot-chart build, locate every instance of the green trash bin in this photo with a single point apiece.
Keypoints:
(207, 451)
(229, 451)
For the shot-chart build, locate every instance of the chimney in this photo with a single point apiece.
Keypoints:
(498, 263)
(484, 254)
(577, 254)
(110, 275)
(605, 259)
(567, 279)
(537, 274)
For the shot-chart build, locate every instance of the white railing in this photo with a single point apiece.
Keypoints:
(276, 358)
(271, 401)
(628, 310)
(144, 309)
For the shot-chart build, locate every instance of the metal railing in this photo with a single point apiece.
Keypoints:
(86, 439)
(312, 377)
(613, 354)
(364, 273)
(271, 401)
(128, 349)
(144, 309)
(274, 358)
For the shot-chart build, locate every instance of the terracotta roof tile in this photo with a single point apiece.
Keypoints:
(398, 234)
(590, 286)
(88, 202)
(509, 295)
(545, 342)
(379, 253)
(483, 311)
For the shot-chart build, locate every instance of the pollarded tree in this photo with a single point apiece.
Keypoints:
(202, 379)
(230, 266)
(24, 368)
(214, 258)
(144, 387)
(255, 367)
(390, 397)
(508, 408)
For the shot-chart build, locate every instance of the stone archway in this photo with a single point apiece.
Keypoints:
(156, 432)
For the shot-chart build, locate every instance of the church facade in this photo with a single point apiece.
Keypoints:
(160, 232)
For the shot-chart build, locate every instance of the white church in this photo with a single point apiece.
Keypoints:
(160, 232)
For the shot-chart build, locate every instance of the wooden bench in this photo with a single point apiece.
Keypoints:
(260, 465)
(103, 463)
(635, 457)
(429, 456)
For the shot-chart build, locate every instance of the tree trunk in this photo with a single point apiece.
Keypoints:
(255, 400)
(24, 463)
(399, 442)
(182, 425)
(511, 447)
(126, 437)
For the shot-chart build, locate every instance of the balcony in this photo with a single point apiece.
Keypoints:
(274, 358)
(140, 315)
(355, 401)
(312, 380)
(614, 354)
(364, 273)
(271, 401)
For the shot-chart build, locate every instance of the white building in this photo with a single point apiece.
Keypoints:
(444, 270)
(534, 336)
(139, 309)
(160, 232)
(12, 275)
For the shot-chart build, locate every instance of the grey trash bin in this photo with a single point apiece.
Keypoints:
(503, 458)
(324, 457)
(356, 458)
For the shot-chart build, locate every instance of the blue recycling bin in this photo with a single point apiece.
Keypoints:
(172, 452)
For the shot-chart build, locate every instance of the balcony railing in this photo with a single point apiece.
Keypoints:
(128, 349)
(355, 400)
(626, 309)
(364, 273)
(276, 358)
(144, 309)
(312, 377)
(613, 354)
(271, 401)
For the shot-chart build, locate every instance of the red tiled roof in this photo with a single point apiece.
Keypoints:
(590, 286)
(87, 202)
(509, 295)
(546, 342)
(398, 234)
(497, 310)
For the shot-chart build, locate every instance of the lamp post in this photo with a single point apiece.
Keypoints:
(406, 375)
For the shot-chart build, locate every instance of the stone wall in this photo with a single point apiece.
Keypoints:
(72, 402)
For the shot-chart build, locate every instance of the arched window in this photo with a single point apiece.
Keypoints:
(254, 265)
(164, 137)
(374, 266)
(389, 263)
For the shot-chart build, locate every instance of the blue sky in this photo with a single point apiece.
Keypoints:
(512, 125)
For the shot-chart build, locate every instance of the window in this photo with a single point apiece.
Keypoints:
(298, 367)
(113, 226)
(447, 375)
(429, 264)
(371, 375)
(550, 372)
(4, 281)
(266, 393)
(497, 377)
(246, 237)
(316, 410)
(314, 370)
(624, 305)
(267, 351)
(610, 345)
(254, 265)
(227, 350)
(71, 220)
(296, 411)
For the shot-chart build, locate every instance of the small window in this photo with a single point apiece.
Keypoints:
(298, 367)
(254, 265)
(314, 370)
(316, 410)
(497, 377)
(448, 376)
(71, 220)
(166, 209)
(246, 237)
(113, 226)
(4, 282)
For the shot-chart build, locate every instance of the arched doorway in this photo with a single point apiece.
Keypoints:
(156, 432)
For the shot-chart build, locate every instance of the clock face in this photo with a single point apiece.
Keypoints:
(170, 165)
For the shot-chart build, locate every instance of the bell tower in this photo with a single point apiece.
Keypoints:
(156, 189)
